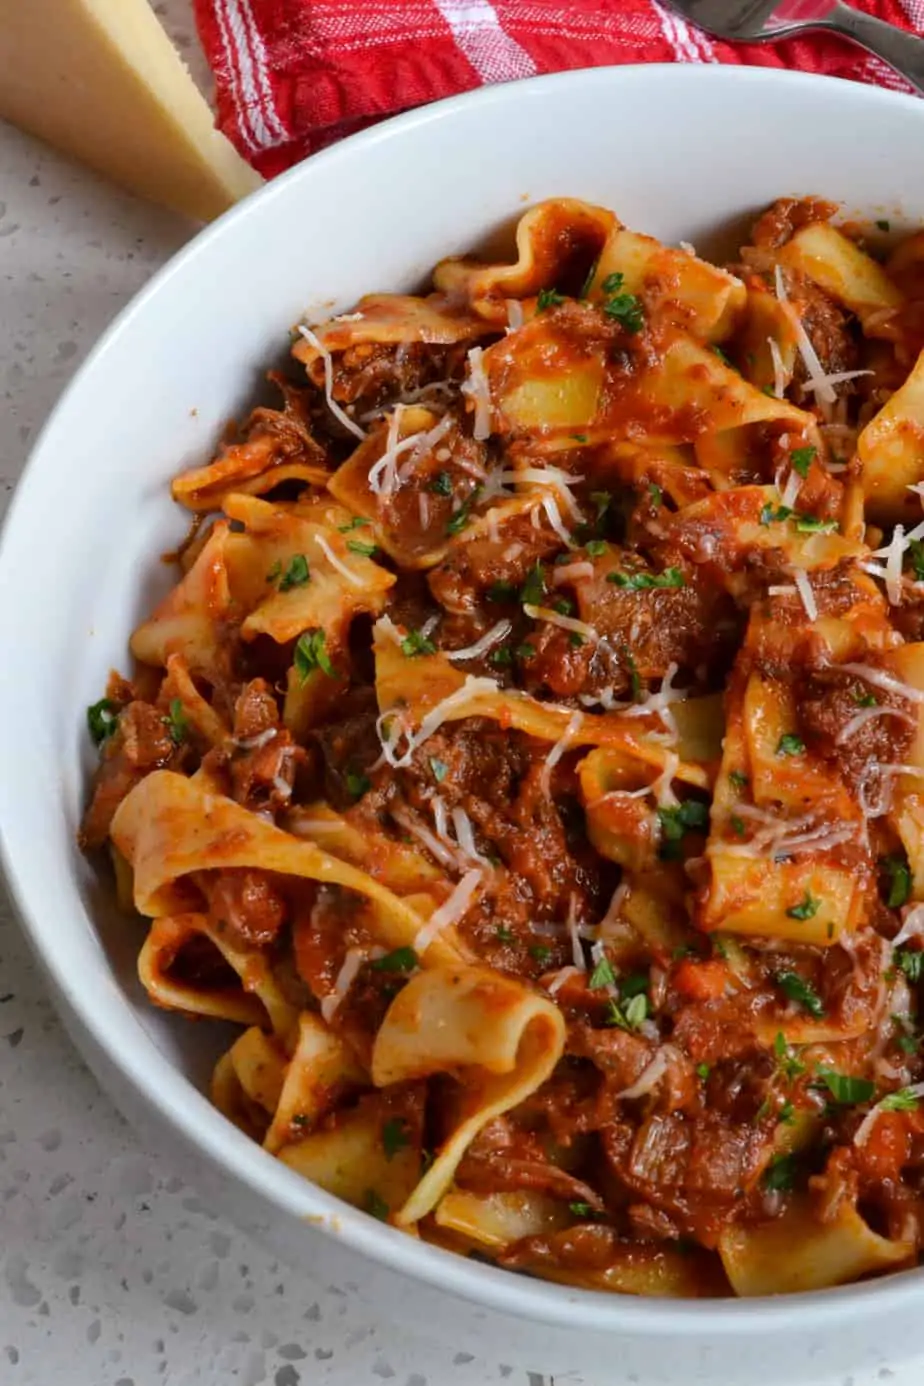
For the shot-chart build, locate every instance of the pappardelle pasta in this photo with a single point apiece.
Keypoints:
(529, 758)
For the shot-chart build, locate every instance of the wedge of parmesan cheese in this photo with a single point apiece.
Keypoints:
(101, 80)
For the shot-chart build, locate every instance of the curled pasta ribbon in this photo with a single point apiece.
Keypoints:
(797, 1252)
(258, 1000)
(169, 827)
(501, 1039)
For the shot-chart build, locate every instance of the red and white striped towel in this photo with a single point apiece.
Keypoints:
(295, 75)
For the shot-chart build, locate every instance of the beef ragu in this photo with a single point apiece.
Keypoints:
(529, 758)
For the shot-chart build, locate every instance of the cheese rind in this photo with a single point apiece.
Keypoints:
(101, 80)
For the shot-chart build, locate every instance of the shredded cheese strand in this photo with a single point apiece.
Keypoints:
(332, 404)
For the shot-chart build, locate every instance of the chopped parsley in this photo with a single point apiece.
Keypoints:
(717, 351)
(904, 1100)
(787, 1113)
(416, 643)
(591, 276)
(356, 523)
(703, 1071)
(596, 548)
(501, 657)
(601, 500)
(675, 822)
(798, 989)
(865, 699)
(788, 1064)
(801, 459)
(655, 493)
(501, 592)
(738, 825)
(394, 1137)
(773, 514)
(364, 550)
(524, 651)
(635, 678)
(780, 1174)
(564, 607)
(311, 653)
(899, 877)
(809, 524)
(503, 935)
(533, 589)
(176, 722)
(440, 769)
(441, 484)
(846, 1089)
(602, 975)
(639, 582)
(622, 307)
(576, 640)
(738, 778)
(790, 745)
(807, 908)
(296, 574)
(102, 719)
(548, 298)
(457, 522)
(579, 437)
(581, 1210)
(541, 952)
(911, 962)
(357, 784)
(629, 1016)
(376, 1205)
(398, 960)
(915, 555)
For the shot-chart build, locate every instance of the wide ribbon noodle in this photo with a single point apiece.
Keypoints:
(528, 759)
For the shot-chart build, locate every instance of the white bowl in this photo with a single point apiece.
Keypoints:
(679, 152)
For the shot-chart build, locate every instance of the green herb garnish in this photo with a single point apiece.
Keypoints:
(640, 582)
(548, 298)
(780, 1174)
(533, 589)
(102, 719)
(904, 1100)
(440, 769)
(790, 745)
(296, 574)
(176, 722)
(899, 877)
(602, 975)
(376, 1205)
(356, 523)
(798, 989)
(621, 307)
(807, 908)
(911, 962)
(394, 1137)
(846, 1089)
(311, 653)
(441, 484)
(596, 548)
(501, 592)
(364, 550)
(416, 643)
(398, 960)
(801, 459)
(357, 784)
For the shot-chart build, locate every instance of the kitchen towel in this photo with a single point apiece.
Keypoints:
(295, 75)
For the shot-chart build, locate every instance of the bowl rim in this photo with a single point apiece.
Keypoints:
(147, 1070)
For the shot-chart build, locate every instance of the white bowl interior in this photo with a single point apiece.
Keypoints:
(680, 153)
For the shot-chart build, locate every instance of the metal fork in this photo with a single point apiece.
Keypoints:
(761, 21)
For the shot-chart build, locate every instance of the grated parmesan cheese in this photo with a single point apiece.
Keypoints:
(449, 912)
(571, 572)
(552, 618)
(554, 982)
(487, 642)
(779, 370)
(431, 722)
(880, 679)
(477, 389)
(806, 595)
(575, 722)
(791, 491)
(355, 957)
(338, 563)
(912, 925)
(514, 314)
(865, 715)
(332, 404)
(649, 1077)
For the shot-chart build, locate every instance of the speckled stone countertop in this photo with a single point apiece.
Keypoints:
(112, 1271)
